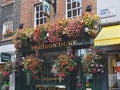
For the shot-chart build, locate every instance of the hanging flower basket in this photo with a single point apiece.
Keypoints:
(32, 66)
(64, 65)
(94, 61)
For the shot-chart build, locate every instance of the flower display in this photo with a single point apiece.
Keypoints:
(64, 65)
(74, 27)
(62, 30)
(8, 33)
(53, 34)
(8, 68)
(29, 64)
(93, 62)
(88, 19)
(23, 37)
(39, 35)
(32, 65)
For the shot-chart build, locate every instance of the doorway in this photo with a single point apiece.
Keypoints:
(114, 72)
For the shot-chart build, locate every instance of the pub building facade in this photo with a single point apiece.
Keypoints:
(48, 55)
(67, 37)
(31, 15)
(49, 51)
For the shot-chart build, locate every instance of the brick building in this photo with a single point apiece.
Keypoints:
(15, 14)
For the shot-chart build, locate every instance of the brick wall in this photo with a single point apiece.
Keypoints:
(27, 11)
(60, 10)
(89, 2)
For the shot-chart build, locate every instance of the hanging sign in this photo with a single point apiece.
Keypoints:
(5, 57)
(46, 7)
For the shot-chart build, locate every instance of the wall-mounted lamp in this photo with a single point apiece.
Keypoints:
(20, 25)
(89, 8)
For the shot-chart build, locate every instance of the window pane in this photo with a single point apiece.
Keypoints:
(75, 12)
(69, 14)
(78, 4)
(68, 0)
(41, 7)
(73, 4)
(37, 22)
(68, 6)
(37, 15)
(79, 11)
(37, 8)
(41, 14)
(41, 21)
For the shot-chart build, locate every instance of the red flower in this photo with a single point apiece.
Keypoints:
(94, 70)
(36, 35)
(88, 58)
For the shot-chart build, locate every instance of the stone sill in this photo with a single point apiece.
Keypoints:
(8, 3)
(6, 38)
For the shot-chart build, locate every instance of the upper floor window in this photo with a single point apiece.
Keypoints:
(73, 8)
(7, 29)
(40, 17)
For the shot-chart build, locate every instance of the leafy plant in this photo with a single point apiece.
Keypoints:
(94, 62)
(8, 33)
(32, 66)
(64, 65)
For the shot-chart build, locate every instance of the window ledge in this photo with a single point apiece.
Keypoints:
(6, 38)
(8, 2)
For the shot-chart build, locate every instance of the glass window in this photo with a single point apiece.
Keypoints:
(69, 6)
(69, 14)
(83, 52)
(114, 72)
(7, 29)
(40, 18)
(74, 12)
(73, 8)
(73, 4)
(48, 59)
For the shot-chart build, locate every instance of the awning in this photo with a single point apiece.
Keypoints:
(108, 36)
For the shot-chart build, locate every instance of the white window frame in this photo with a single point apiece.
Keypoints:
(7, 25)
(40, 17)
(80, 7)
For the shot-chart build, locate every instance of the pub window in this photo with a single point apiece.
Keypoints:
(73, 8)
(39, 17)
(47, 77)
